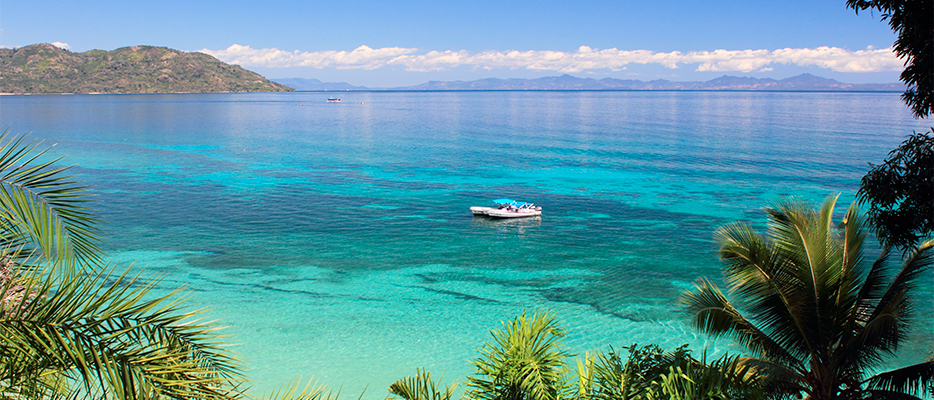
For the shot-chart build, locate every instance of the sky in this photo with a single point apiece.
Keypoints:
(402, 42)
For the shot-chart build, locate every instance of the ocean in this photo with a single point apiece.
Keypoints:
(334, 241)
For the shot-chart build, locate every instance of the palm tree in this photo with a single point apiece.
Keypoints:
(68, 328)
(814, 315)
(525, 361)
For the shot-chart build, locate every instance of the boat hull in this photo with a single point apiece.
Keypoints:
(481, 210)
(503, 214)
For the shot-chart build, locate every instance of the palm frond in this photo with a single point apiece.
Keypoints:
(525, 361)
(713, 314)
(294, 391)
(421, 387)
(872, 340)
(778, 378)
(724, 378)
(915, 379)
(919, 261)
(43, 206)
(107, 336)
(801, 245)
(872, 289)
(851, 269)
(609, 376)
(876, 394)
(763, 280)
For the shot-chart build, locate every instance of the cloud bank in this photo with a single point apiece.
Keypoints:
(585, 58)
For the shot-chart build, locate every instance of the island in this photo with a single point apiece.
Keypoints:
(47, 69)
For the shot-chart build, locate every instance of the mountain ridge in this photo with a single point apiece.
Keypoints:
(314, 84)
(47, 69)
(803, 82)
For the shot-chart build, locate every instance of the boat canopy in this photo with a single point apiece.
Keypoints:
(504, 201)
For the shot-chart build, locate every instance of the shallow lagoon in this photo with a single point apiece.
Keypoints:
(334, 239)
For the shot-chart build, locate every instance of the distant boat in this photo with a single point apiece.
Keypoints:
(334, 100)
(508, 208)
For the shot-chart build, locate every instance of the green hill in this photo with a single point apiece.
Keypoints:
(43, 68)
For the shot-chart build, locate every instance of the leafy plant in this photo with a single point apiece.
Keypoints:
(815, 316)
(650, 373)
(900, 193)
(525, 361)
(421, 387)
(911, 20)
(726, 378)
(86, 335)
(609, 376)
(310, 391)
(42, 208)
(69, 331)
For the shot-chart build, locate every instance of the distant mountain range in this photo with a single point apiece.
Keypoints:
(803, 82)
(314, 84)
(44, 68)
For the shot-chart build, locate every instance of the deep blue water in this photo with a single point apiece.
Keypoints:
(335, 241)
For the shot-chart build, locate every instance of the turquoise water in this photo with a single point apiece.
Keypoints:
(335, 240)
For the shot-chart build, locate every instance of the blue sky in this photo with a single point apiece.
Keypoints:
(395, 43)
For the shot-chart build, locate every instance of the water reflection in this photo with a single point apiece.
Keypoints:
(509, 225)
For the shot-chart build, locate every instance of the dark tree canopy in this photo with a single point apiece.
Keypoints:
(900, 193)
(913, 20)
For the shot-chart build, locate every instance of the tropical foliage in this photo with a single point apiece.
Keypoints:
(421, 387)
(911, 20)
(727, 378)
(294, 391)
(815, 315)
(89, 336)
(900, 193)
(650, 373)
(525, 361)
(69, 328)
(42, 208)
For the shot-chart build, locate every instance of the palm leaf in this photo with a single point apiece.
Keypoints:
(919, 261)
(713, 314)
(421, 387)
(760, 276)
(294, 391)
(914, 380)
(42, 206)
(107, 337)
(525, 361)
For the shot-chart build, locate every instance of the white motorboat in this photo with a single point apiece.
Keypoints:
(508, 208)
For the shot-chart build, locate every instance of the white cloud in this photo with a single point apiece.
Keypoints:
(61, 45)
(362, 57)
(584, 59)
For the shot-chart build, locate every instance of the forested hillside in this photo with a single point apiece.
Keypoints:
(44, 68)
